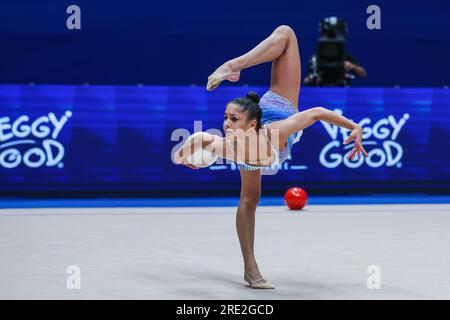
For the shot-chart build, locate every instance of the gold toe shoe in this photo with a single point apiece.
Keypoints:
(260, 283)
(215, 79)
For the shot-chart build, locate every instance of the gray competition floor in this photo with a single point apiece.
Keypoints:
(324, 252)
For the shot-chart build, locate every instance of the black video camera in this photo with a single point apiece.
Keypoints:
(330, 55)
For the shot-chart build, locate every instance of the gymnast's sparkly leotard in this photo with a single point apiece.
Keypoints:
(274, 108)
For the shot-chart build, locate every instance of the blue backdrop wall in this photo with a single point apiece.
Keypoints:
(121, 138)
(182, 42)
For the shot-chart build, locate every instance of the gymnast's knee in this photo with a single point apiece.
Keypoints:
(250, 201)
(285, 30)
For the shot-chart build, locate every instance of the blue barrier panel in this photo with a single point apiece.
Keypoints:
(99, 138)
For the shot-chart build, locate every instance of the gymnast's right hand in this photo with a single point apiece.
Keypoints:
(187, 164)
(179, 159)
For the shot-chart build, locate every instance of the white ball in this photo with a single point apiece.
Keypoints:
(201, 158)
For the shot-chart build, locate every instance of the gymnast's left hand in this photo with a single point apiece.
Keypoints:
(356, 136)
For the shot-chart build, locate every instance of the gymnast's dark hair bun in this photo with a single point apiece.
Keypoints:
(253, 96)
(250, 105)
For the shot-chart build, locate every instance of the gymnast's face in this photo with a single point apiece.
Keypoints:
(234, 119)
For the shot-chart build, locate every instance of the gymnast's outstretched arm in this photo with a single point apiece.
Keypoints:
(304, 119)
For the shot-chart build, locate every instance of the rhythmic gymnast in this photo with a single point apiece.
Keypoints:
(275, 122)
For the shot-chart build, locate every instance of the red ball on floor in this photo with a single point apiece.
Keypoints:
(295, 198)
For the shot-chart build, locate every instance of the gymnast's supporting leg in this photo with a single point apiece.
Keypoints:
(245, 224)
